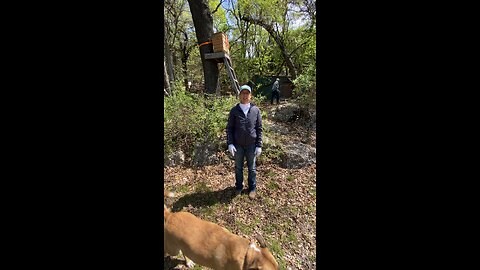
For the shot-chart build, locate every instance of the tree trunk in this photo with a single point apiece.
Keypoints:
(203, 23)
(168, 55)
(186, 50)
(184, 66)
(278, 40)
(166, 80)
(185, 55)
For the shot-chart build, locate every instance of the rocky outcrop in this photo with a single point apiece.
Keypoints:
(205, 154)
(174, 159)
(298, 155)
(284, 112)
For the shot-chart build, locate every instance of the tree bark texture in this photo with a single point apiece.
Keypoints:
(165, 79)
(168, 55)
(184, 66)
(278, 40)
(203, 23)
(186, 50)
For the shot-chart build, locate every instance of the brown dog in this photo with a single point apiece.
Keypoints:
(210, 245)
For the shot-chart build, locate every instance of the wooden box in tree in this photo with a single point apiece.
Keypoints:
(220, 43)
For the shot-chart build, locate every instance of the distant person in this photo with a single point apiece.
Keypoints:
(244, 139)
(275, 91)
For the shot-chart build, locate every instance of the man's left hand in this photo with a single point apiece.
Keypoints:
(258, 151)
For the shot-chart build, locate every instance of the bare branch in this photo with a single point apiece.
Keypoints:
(290, 55)
(219, 4)
(278, 39)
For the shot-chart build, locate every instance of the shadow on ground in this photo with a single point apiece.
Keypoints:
(202, 199)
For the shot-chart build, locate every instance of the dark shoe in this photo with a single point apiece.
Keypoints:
(252, 194)
(238, 192)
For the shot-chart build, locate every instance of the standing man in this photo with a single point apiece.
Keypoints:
(275, 91)
(244, 139)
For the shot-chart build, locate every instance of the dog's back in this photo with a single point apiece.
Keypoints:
(211, 245)
(204, 242)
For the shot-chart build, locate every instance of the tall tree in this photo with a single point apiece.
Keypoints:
(166, 80)
(271, 16)
(186, 49)
(203, 23)
(169, 57)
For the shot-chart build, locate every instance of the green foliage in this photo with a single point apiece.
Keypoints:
(272, 185)
(270, 173)
(273, 151)
(306, 88)
(253, 50)
(190, 118)
(178, 86)
(276, 248)
(202, 187)
(259, 99)
(271, 10)
(219, 17)
(292, 237)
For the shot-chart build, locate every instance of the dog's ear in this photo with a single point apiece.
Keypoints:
(253, 255)
(266, 254)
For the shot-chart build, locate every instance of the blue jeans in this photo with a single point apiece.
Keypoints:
(242, 153)
(275, 94)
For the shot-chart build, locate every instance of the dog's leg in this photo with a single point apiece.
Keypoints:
(188, 262)
(170, 250)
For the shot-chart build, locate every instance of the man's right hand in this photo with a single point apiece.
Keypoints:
(232, 149)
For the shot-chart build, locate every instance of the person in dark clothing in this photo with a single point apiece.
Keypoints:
(275, 91)
(244, 139)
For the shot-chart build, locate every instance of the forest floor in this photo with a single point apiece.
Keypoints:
(284, 211)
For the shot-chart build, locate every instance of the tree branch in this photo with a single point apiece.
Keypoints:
(269, 27)
(219, 4)
(290, 55)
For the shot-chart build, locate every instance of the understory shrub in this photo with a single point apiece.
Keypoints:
(191, 119)
(305, 90)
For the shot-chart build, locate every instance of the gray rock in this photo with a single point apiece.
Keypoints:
(284, 112)
(205, 154)
(298, 155)
(174, 159)
(277, 128)
(313, 121)
(291, 112)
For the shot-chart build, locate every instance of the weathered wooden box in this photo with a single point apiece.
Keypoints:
(220, 43)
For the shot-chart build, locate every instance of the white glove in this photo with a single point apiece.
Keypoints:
(232, 149)
(258, 151)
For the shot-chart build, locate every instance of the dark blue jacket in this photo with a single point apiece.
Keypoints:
(244, 130)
